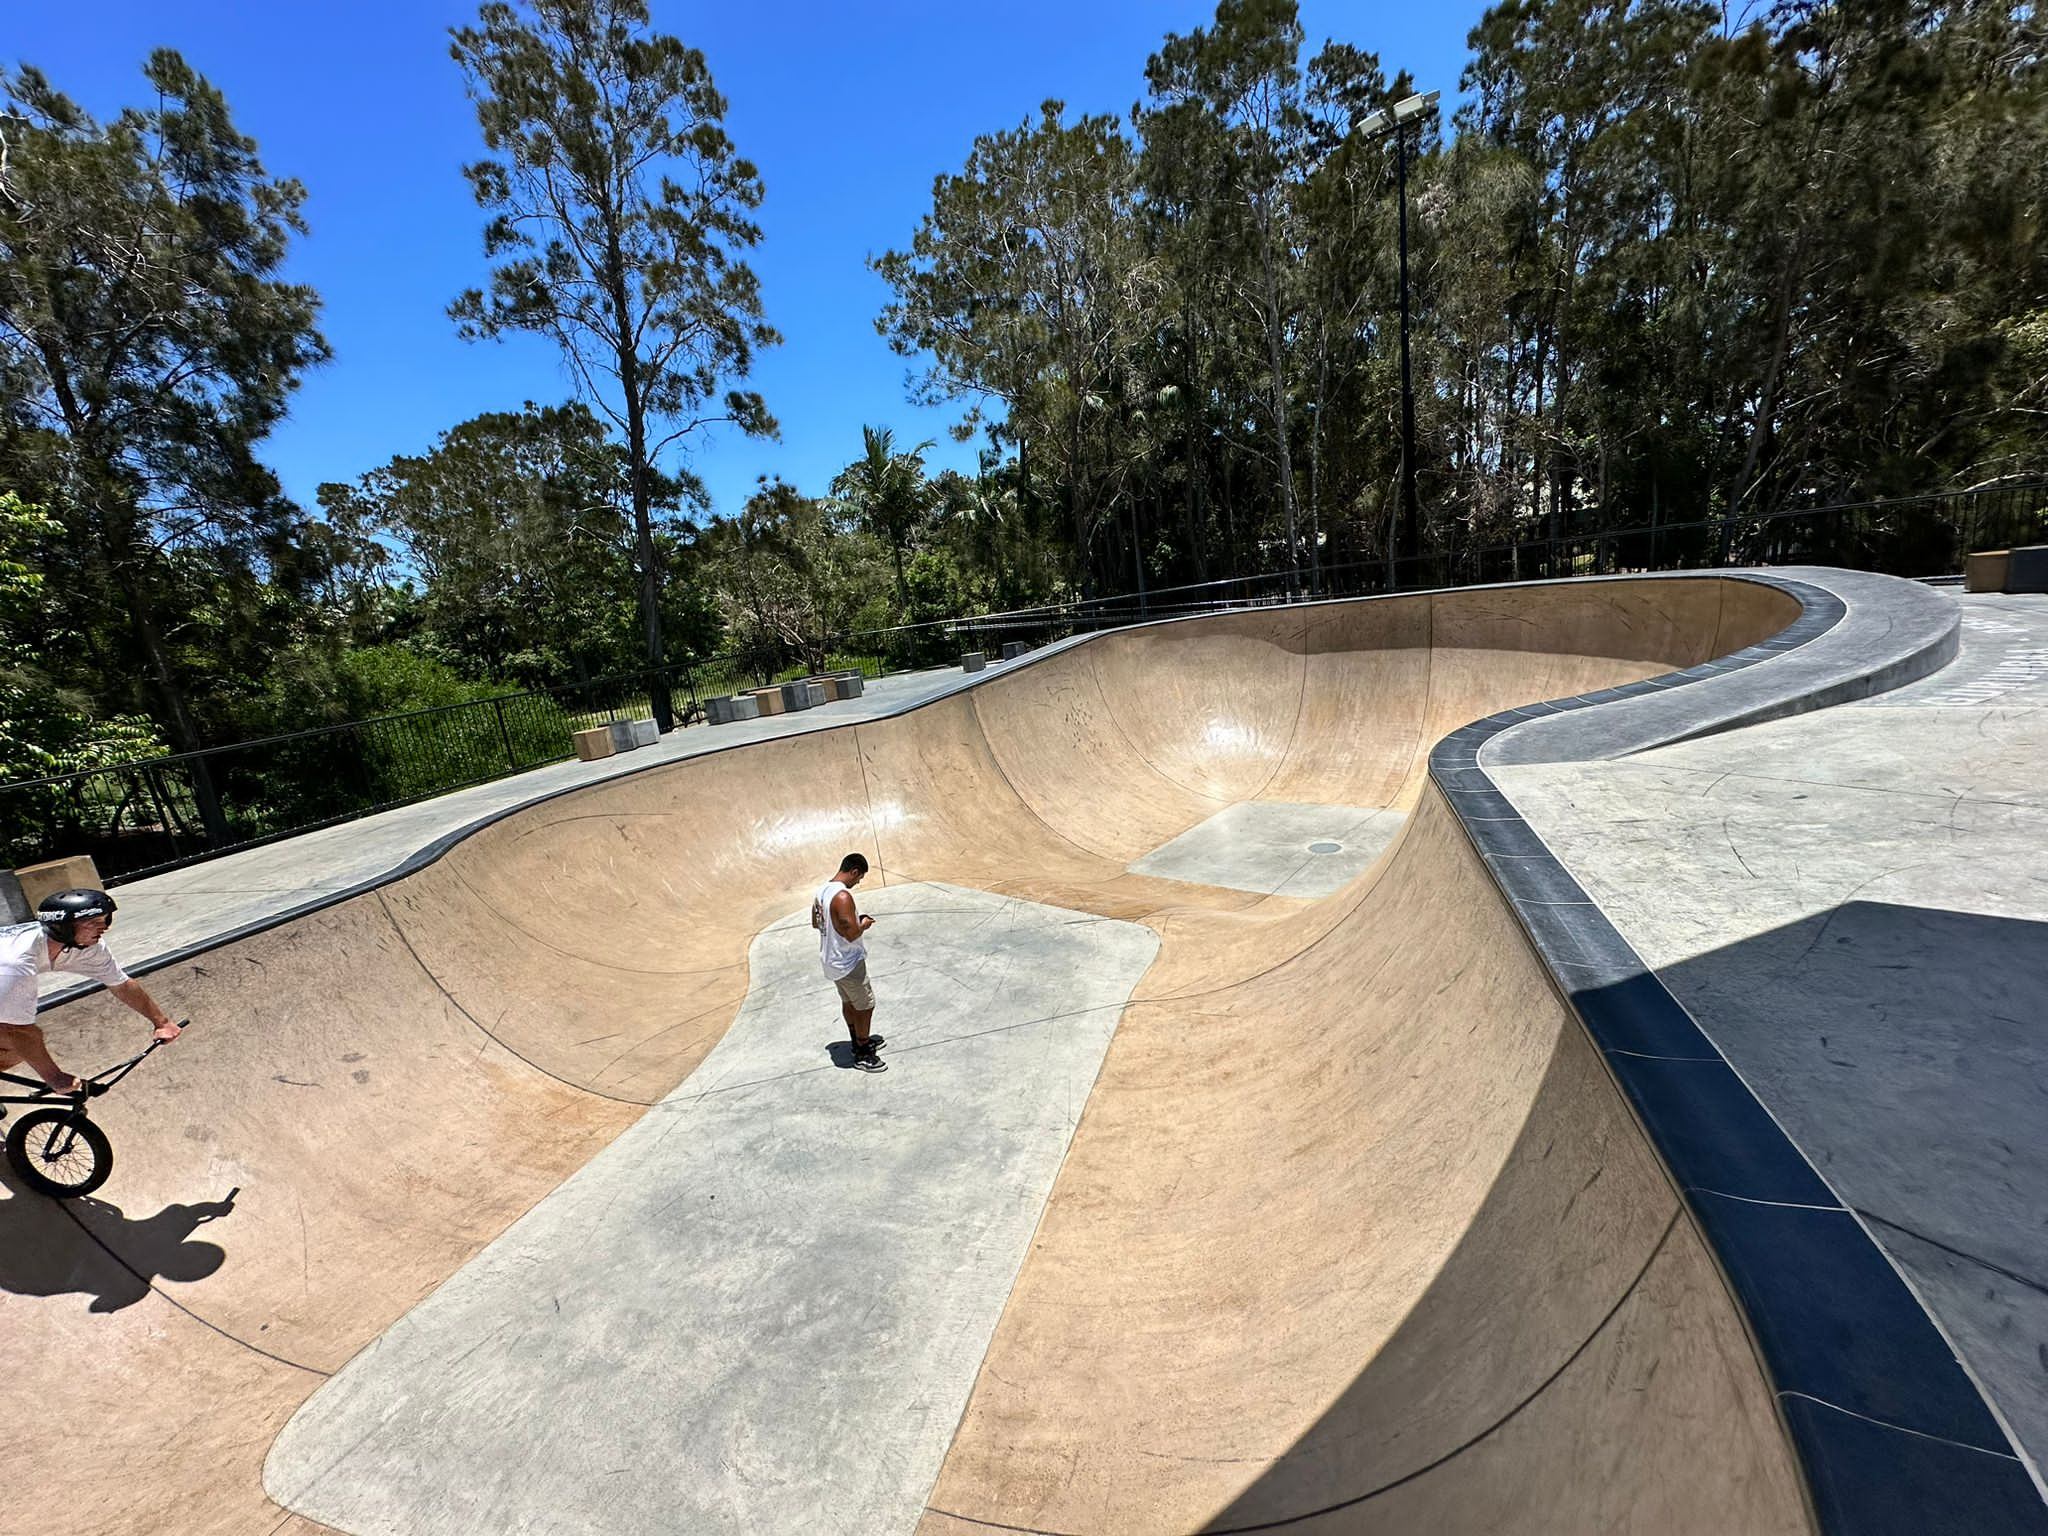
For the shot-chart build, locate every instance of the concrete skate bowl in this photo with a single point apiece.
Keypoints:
(1356, 1231)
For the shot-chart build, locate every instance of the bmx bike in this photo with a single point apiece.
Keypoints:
(57, 1150)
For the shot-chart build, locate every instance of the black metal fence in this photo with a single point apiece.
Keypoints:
(1920, 536)
(144, 817)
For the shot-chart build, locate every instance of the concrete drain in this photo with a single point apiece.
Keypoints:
(1325, 847)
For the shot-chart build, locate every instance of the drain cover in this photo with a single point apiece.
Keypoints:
(1325, 847)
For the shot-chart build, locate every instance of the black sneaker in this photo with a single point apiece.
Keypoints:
(878, 1041)
(868, 1061)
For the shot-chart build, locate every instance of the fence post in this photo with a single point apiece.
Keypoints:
(203, 795)
(511, 757)
(154, 785)
(690, 687)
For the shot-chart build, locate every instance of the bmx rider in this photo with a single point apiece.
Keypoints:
(64, 937)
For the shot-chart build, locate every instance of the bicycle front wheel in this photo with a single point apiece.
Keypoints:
(60, 1153)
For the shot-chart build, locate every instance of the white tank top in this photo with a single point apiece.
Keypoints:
(840, 955)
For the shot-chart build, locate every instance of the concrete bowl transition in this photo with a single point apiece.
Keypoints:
(1391, 1206)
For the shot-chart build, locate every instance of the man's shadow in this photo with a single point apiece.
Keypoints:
(841, 1052)
(46, 1250)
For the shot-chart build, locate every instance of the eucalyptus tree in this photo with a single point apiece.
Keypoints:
(1236, 88)
(620, 215)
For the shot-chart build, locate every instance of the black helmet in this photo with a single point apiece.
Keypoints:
(60, 912)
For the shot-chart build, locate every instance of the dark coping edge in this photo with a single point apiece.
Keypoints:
(1893, 1434)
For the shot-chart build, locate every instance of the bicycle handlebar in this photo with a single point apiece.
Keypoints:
(106, 1077)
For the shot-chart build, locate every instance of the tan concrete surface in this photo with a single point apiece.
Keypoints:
(1354, 1221)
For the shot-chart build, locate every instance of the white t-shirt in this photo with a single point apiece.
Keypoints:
(838, 953)
(25, 955)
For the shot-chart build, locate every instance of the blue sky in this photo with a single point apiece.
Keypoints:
(849, 109)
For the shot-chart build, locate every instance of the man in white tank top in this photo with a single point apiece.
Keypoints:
(842, 947)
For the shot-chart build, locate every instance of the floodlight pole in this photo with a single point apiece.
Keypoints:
(1408, 543)
(1411, 544)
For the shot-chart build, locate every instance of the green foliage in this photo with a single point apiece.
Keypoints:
(790, 573)
(43, 729)
(1028, 291)
(147, 344)
(516, 528)
(1665, 266)
(1669, 265)
(888, 492)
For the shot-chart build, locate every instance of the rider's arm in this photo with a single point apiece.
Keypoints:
(132, 993)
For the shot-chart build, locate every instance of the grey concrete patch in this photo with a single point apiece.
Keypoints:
(763, 1307)
(1854, 907)
(1265, 846)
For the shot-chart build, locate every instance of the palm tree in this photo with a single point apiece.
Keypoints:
(888, 491)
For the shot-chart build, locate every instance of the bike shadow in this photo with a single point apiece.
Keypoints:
(49, 1250)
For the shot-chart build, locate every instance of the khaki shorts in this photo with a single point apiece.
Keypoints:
(854, 989)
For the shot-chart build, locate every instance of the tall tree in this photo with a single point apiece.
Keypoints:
(147, 345)
(1028, 288)
(1239, 83)
(620, 212)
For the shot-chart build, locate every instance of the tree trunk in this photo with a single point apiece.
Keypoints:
(896, 549)
(1767, 400)
(1315, 462)
(636, 452)
(1277, 362)
(184, 734)
(1191, 504)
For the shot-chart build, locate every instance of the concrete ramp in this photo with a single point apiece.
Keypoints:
(1354, 1231)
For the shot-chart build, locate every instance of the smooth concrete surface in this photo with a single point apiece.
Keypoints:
(762, 1308)
(1854, 907)
(1276, 849)
(1355, 1231)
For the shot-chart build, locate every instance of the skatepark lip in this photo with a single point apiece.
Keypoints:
(1880, 1413)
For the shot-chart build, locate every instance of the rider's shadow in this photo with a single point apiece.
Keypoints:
(46, 1250)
